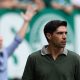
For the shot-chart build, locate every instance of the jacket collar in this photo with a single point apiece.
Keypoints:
(44, 51)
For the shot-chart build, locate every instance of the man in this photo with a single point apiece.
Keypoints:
(53, 61)
(5, 53)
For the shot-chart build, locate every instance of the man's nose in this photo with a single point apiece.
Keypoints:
(64, 36)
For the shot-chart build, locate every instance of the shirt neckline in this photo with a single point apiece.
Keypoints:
(44, 51)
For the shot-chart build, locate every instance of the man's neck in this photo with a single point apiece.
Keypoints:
(55, 52)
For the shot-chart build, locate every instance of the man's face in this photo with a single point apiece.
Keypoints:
(58, 38)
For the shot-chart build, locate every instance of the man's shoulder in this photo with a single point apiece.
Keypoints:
(73, 54)
(35, 54)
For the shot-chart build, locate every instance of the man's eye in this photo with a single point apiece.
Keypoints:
(59, 32)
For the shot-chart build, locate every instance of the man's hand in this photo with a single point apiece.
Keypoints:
(29, 13)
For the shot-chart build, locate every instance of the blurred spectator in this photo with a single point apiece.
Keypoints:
(39, 4)
(64, 5)
(76, 4)
(5, 53)
(25, 1)
(12, 4)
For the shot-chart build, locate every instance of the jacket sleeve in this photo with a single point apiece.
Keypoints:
(29, 69)
(77, 69)
(11, 48)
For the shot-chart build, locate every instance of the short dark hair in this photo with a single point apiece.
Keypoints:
(51, 26)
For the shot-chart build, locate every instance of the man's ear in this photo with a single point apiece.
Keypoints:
(48, 35)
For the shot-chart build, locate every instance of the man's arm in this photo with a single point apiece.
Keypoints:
(27, 17)
(20, 35)
(29, 70)
(77, 70)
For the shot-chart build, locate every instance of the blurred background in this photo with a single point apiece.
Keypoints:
(11, 21)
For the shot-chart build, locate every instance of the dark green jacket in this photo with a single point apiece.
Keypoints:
(43, 67)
